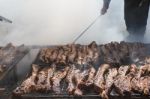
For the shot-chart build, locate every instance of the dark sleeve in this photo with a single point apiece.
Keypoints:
(1, 18)
(106, 3)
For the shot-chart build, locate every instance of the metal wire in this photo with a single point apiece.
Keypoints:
(86, 30)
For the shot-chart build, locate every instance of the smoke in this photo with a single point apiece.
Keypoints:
(50, 22)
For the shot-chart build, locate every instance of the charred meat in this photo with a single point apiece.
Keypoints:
(29, 84)
(57, 78)
(99, 80)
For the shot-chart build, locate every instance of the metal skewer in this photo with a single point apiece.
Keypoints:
(86, 29)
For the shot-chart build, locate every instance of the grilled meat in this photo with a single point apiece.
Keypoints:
(140, 82)
(122, 82)
(79, 80)
(140, 85)
(48, 53)
(2, 68)
(94, 52)
(93, 45)
(99, 80)
(9, 54)
(57, 78)
(70, 79)
(137, 52)
(54, 55)
(63, 59)
(60, 54)
(80, 56)
(147, 60)
(112, 72)
(90, 78)
(29, 84)
(72, 54)
(42, 55)
(50, 73)
(105, 53)
(124, 48)
(41, 80)
(44, 78)
(80, 73)
(143, 84)
(90, 54)
(115, 53)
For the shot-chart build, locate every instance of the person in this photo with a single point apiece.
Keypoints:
(135, 15)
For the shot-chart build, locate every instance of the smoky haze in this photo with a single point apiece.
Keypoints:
(50, 22)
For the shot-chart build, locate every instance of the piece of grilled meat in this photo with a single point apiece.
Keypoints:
(2, 68)
(9, 54)
(57, 78)
(112, 73)
(90, 79)
(122, 82)
(41, 80)
(70, 79)
(123, 85)
(44, 55)
(50, 72)
(79, 81)
(93, 53)
(72, 53)
(29, 84)
(99, 80)
(44, 78)
(81, 55)
(140, 81)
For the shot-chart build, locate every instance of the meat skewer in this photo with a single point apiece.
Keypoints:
(50, 73)
(139, 82)
(112, 73)
(91, 75)
(72, 54)
(99, 80)
(122, 82)
(57, 78)
(70, 79)
(41, 80)
(79, 80)
(29, 84)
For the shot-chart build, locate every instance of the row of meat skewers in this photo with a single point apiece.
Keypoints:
(111, 53)
(123, 80)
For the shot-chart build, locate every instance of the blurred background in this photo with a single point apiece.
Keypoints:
(51, 22)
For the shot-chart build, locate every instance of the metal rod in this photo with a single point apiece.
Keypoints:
(5, 19)
(86, 29)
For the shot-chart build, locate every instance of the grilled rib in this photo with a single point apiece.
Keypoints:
(99, 80)
(29, 84)
(57, 78)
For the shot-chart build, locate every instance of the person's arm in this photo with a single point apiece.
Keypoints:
(105, 6)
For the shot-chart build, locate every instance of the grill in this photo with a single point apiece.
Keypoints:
(22, 70)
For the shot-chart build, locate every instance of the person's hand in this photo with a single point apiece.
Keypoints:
(103, 10)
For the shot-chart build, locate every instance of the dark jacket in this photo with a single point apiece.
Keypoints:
(135, 14)
(106, 3)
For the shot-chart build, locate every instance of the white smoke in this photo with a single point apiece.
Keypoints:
(50, 22)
